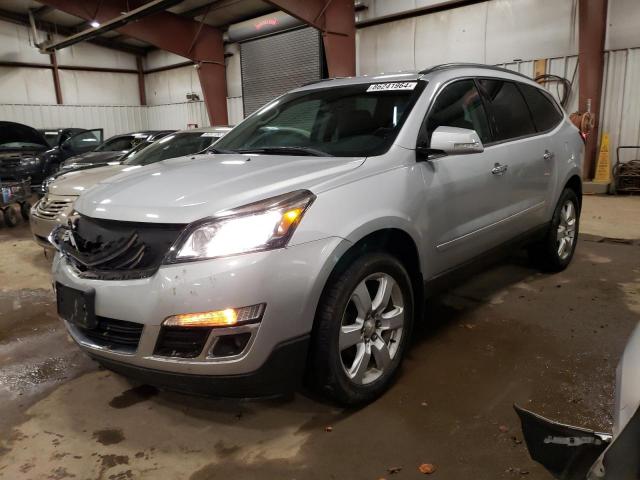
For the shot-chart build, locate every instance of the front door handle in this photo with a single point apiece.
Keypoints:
(499, 169)
(547, 155)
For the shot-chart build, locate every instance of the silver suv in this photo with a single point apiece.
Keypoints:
(305, 245)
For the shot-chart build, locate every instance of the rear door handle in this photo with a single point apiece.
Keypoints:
(499, 169)
(547, 155)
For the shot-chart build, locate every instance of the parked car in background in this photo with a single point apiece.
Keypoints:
(57, 136)
(54, 209)
(20, 150)
(113, 149)
(38, 159)
(307, 242)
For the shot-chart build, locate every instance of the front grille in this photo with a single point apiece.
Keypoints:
(114, 334)
(49, 209)
(181, 342)
(114, 250)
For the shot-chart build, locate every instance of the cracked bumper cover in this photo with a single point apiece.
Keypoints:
(289, 281)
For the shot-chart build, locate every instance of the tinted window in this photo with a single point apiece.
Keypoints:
(544, 112)
(508, 111)
(459, 105)
(353, 120)
(122, 143)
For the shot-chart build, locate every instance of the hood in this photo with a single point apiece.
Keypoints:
(94, 157)
(185, 189)
(17, 132)
(76, 182)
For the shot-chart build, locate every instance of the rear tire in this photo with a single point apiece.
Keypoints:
(555, 251)
(363, 326)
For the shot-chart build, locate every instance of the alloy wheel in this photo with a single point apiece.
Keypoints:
(371, 328)
(566, 232)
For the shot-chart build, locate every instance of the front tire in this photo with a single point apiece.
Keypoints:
(555, 251)
(363, 326)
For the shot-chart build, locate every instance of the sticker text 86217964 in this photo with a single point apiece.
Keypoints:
(382, 87)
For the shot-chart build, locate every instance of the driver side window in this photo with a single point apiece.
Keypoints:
(458, 105)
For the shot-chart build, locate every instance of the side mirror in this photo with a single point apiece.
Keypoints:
(455, 141)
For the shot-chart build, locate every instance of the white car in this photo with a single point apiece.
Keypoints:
(57, 204)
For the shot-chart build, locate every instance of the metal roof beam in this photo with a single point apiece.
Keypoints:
(174, 33)
(52, 28)
(117, 22)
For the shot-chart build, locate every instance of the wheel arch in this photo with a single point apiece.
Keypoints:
(575, 183)
(396, 241)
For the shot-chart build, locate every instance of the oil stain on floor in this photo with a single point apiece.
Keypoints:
(509, 335)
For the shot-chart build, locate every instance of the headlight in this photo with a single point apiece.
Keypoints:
(264, 225)
(30, 162)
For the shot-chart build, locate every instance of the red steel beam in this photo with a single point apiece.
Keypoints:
(592, 15)
(141, 86)
(56, 77)
(201, 43)
(336, 20)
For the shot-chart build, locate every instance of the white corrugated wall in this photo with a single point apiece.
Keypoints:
(620, 111)
(565, 67)
(113, 119)
(235, 110)
(177, 115)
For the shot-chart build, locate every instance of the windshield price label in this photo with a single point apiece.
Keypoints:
(383, 87)
(211, 134)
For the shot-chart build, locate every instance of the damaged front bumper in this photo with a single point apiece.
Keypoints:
(287, 281)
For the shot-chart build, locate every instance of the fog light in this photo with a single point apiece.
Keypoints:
(228, 317)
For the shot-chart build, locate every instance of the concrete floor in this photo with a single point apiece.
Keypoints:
(611, 216)
(511, 334)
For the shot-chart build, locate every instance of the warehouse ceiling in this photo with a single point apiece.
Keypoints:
(217, 13)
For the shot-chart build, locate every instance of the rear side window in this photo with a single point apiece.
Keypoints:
(508, 111)
(459, 105)
(545, 114)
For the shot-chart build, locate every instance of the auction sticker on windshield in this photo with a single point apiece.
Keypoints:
(383, 87)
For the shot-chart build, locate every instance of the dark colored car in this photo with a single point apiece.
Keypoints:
(113, 149)
(25, 152)
(57, 136)
(177, 144)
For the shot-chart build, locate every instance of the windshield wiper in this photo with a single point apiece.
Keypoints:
(287, 151)
(218, 150)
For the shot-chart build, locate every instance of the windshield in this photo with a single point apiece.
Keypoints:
(172, 146)
(354, 120)
(134, 151)
(122, 143)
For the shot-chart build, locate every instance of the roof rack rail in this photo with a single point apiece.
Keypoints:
(322, 80)
(446, 66)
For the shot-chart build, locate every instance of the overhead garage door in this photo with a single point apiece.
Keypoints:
(275, 64)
